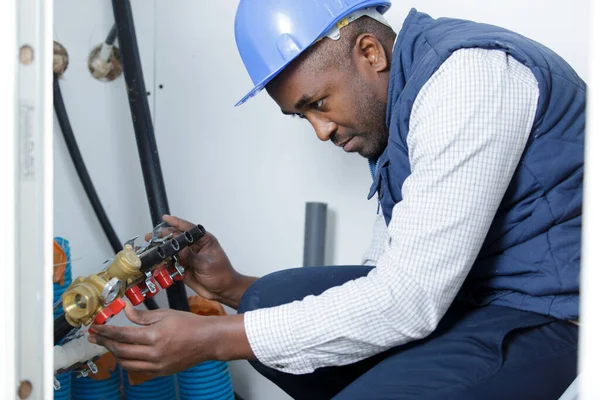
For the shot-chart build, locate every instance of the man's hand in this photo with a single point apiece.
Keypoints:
(208, 269)
(170, 341)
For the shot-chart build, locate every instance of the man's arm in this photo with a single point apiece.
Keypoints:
(153, 348)
(468, 130)
(380, 239)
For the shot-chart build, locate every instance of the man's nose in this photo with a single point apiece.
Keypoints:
(324, 128)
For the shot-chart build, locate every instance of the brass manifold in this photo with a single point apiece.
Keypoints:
(86, 297)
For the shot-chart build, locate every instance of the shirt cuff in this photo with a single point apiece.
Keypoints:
(272, 339)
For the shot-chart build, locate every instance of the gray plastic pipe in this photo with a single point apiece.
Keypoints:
(315, 226)
(76, 351)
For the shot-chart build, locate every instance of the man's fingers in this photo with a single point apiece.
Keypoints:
(193, 284)
(178, 223)
(177, 226)
(126, 350)
(185, 257)
(163, 233)
(123, 334)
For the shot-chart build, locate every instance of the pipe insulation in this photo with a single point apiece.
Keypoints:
(76, 351)
(144, 130)
(107, 46)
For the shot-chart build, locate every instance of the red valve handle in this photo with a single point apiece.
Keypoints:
(109, 311)
(117, 306)
(135, 296)
(103, 316)
(164, 278)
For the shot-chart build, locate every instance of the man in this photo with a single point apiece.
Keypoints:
(474, 136)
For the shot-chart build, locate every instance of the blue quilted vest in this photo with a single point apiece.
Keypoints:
(531, 256)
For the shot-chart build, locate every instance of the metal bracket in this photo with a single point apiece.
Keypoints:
(91, 367)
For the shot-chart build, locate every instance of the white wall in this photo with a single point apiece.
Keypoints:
(100, 118)
(99, 114)
(244, 173)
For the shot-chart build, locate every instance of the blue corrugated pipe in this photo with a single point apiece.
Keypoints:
(64, 393)
(162, 388)
(58, 289)
(81, 388)
(91, 389)
(206, 381)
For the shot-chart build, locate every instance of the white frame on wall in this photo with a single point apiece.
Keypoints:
(8, 46)
(589, 345)
(27, 192)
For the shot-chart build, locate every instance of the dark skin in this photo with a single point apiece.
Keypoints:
(344, 105)
(169, 341)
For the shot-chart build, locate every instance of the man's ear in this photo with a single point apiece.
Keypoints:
(371, 53)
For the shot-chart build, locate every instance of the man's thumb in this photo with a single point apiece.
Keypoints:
(141, 317)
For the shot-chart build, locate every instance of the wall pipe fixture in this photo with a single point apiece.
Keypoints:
(84, 176)
(144, 130)
(104, 61)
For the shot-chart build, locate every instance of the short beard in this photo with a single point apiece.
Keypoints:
(380, 143)
(374, 129)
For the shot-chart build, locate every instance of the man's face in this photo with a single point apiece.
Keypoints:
(341, 103)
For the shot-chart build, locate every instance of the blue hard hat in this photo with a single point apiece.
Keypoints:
(270, 34)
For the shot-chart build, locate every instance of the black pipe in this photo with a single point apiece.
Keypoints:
(61, 328)
(158, 254)
(112, 36)
(82, 172)
(151, 258)
(84, 176)
(144, 130)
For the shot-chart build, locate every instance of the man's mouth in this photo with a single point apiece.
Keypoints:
(343, 143)
(349, 145)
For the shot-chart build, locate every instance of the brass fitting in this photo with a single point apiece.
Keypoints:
(86, 297)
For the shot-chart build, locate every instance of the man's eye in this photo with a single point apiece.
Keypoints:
(317, 105)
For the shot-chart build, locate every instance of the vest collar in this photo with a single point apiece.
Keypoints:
(374, 165)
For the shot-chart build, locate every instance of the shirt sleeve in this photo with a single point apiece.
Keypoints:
(468, 129)
(379, 240)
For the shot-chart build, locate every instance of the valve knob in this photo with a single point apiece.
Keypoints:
(135, 296)
(164, 278)
(103, 316)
